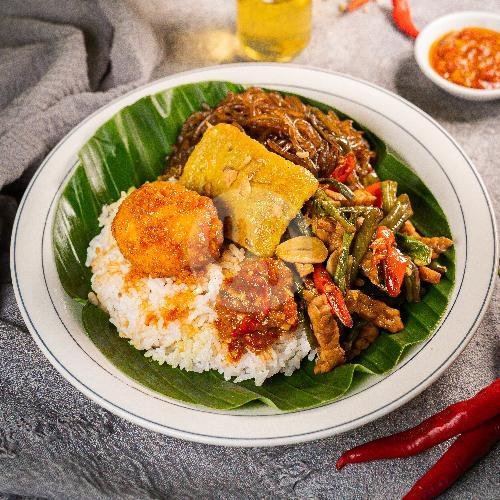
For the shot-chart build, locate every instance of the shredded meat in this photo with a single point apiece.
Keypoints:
(429, 275)
(373, 310)
(439, 244)
(329, 231)
(285, 125)
(326, 331)
(362, 197)
(367, 335)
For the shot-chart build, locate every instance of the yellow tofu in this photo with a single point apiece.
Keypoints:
(256, 191)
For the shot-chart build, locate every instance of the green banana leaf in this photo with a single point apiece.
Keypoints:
(130, 149)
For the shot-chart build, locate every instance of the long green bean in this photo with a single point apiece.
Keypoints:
(357, 210)
(370, 179)
(339, 186)
(400, 212)
(302, 314)
(329, 209)
(298, 282)
(389, 194)
(363, 240)
(412, 284)
(340, 276)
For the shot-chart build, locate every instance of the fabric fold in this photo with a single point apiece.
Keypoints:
(59, 61)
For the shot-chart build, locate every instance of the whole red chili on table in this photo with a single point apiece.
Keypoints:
(477, 420)
(402, 18)
(455, 419)
(400, 15)
(460, 456)
(353, 5)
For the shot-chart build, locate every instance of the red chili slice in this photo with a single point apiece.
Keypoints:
(345, 169)
(402, 18)
(376, 191)
(394, 270)
(324, 284)
(394, 263)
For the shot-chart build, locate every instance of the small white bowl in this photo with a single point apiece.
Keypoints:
(443, 25)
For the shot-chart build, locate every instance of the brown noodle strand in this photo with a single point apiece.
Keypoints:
(284, 124)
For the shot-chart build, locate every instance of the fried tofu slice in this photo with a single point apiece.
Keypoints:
(256, 192)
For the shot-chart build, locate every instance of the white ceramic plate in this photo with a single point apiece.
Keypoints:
(54, 320)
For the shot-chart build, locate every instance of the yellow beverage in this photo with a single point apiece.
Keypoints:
(273, 30)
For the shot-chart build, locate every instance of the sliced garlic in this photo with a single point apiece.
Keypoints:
(331, 263)
(304, 269)
(302, 249)
(230, 175)
(245, 187)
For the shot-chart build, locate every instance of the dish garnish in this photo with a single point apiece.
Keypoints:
(269, 238)
(469, 57)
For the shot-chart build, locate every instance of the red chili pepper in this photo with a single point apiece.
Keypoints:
(459, 457)
(402, 18)
(394, 271)
(376, 191)
(248, 324)
(455, 419)
(383, 238)
(324, 283)
(393, 261)
(345, 169)
(385, 235)
(356, 4)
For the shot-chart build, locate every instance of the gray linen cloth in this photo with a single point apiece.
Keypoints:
(59, 61)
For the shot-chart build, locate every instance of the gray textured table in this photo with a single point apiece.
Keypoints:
(54, 442)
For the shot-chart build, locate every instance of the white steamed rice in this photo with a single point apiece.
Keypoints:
(135, 307)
